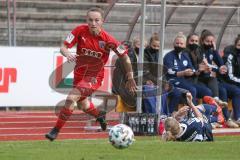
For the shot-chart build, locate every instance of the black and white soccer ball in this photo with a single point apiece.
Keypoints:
(121, 136)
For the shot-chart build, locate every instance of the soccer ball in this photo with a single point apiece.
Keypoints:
(121, 136)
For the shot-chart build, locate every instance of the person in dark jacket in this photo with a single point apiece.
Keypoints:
(232, 80)
(197, 62)
(217, 69)
(212, 59)
(151, 54)
(119, 75)
(232, 60)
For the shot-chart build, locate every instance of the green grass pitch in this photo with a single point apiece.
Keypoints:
(144, 148)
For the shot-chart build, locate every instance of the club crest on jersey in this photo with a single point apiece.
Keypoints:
(211, 57)
(101, 44)
(185, 62)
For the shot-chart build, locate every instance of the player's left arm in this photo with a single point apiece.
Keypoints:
(130, 84)
(122, 52)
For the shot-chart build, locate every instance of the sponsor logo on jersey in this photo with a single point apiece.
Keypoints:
(91, 53)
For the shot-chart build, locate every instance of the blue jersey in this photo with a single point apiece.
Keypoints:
(195, 130)
(175, 62)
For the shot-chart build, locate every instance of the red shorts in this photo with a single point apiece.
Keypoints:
(86, 85)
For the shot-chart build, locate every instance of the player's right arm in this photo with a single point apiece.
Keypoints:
(69, 42)
(66, 53)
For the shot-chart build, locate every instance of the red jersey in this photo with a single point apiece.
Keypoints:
(92, 55)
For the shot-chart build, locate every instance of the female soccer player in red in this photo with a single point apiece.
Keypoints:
(93, 49)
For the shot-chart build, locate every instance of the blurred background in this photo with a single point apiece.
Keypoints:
(47, 22)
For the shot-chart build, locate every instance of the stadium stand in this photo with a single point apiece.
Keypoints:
(46, 23)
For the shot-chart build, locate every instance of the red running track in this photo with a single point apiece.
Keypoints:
(33, 125)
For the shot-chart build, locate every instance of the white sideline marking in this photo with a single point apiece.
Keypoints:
(227, 130)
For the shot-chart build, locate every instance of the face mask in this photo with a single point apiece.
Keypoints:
(136, 50)
(207, 47)
(193, 46)
(152, 50)
(178, 49)
(238, 50)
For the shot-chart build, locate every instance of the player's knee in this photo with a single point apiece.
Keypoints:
(79, 105)
(69, 104)
(73, 98)
(84, 104)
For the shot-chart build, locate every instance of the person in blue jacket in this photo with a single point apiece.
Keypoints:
(180, 69)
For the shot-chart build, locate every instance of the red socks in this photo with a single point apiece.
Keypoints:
(64, 115)
(92, 110)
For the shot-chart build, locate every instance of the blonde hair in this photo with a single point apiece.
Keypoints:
(136, 40)
(172, 129)
(180, 35)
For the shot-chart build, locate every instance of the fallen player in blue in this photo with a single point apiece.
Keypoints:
(193, 127)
